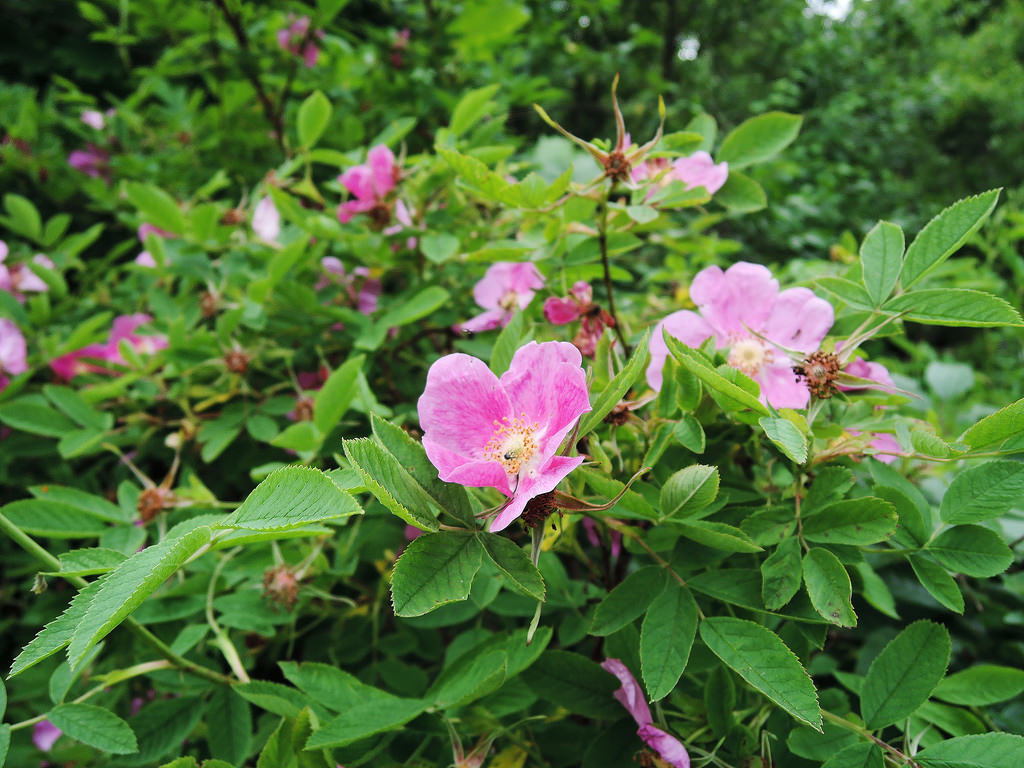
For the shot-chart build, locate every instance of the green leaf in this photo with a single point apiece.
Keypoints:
(383, 713)
(981, 685)
(334, 688)
(391, 483)
(617, 388)
(695, 363)
(314, 114)
(506, 344)
(471, 108)
(5, 743)
(984, 492)
(666, 638)
(52, 519)
(89, 562)
(866, 520)
(688, 491)
(273, 697)
(337, 394)
(786, 437)
(781, 573)
(292, 497)
(881, 259)
(987, 750)
(302, 436)
(435, 569)
(89, 503)
(628, 600)
(161, 726)
(758, 656)
(828, 584)
(418, 306)
(971, 550)
(472, 676)
(903, 675)
(945, 234)
(861, 755)
(230, 726)
(439, 247)
(955, 307)
(23, 217)
(576, 683)
(95, 726)
(938, 582)
(876, 591)
(721, 536)
(992, 430)
(57, 633)
(72, 404)
(690, 434)
(128, 585)
(156, 206)
(514, 563)
(31, 413)
(741, 194)
(759, 138)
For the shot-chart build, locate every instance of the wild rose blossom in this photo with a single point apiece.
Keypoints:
(92, 161)
(631, 696)
(291, 39)
(363, 290)
(370, 184)
(696, 170)
(266, 220)
(732, 304)
(74, 363)
(483, 431)
(18, 278)
(504, 288)
(13, 352)
(579, 304)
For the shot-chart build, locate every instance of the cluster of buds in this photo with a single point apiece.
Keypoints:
(618, 162)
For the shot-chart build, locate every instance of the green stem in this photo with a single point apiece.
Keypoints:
(843, 722)
(220, 638)
(29, 544)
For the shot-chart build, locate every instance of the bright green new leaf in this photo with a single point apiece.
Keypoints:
(786, 437)
(292, 497)
(984, 492)
(991, 431)
(337, 394)
(435, 569)
(881, 259)
(471, 108)
(95, 726)
(954, 307)
(697, 365)
(156, 206)
(741, 194)
(365, 719)
(758, 139)
(314, 114)
(688, 491)
(391, 483)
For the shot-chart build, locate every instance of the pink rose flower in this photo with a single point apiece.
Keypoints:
(45, 735)
(293, 39)
(699, 170)
(74, 363)
(505, 287)
(631, 696)
(266, 221)
(91, 161)
(579, 304)
(18, 278)
(483, 431)
(363, 290)
(733, 303)
(13, 352)
(370, 184)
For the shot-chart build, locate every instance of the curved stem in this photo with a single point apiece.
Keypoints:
(220, 637)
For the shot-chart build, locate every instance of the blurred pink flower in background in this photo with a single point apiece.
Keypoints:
(18, 278)
(504, 288)
(94, 119)
(363, 290)
(594, 537)
(45, 735)
(295, 38)
(370, 184)
(266, 220)
(483, 431)
(13, 352)
(696, 170)
(631, 696)
(579, 304)
(74, 363)
(91, 161)
(145, 258)
(732, 305)
(886, 447)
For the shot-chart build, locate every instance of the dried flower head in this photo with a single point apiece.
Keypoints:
(281, 586)
(819, 371)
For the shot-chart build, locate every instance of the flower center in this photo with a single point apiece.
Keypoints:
(513, 444)
(749, 355)
(509, 301)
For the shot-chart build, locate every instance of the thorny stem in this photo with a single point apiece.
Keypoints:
(602, 239)
(27, 543)
(843, 722)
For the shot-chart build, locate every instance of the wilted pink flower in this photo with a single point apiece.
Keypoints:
(363, 290)
(733, 305)
(74, 363)
(94, 119)
(45, 735)
(13, 352)
(295, 38)
(370, 184)
(266, 221)
(631, 696)
(504, 288)
(482, 431)
(580, 304)
(18, 278)
(91, 161)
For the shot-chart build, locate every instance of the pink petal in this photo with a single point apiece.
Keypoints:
(3, 250)
(359, 181)
(887, 448)
(310, 54)
(45, 735)
(780, 386)
(266, 221)
(145, 229)
(368, 296)
(561, 311)
(93, 118)
(546, 382)
(583, 292)
(504, 279)
(381, 163)
(547, 479)
(145, 259)
(863, 369)
(458, 409)
(688, 327)
(485, 321)
(402, 214)
(799, 320)
(630, 695)
(333, 264)
(699, 170)
(125, 325)
(668, 747)
(13, 351)
(741, 297)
